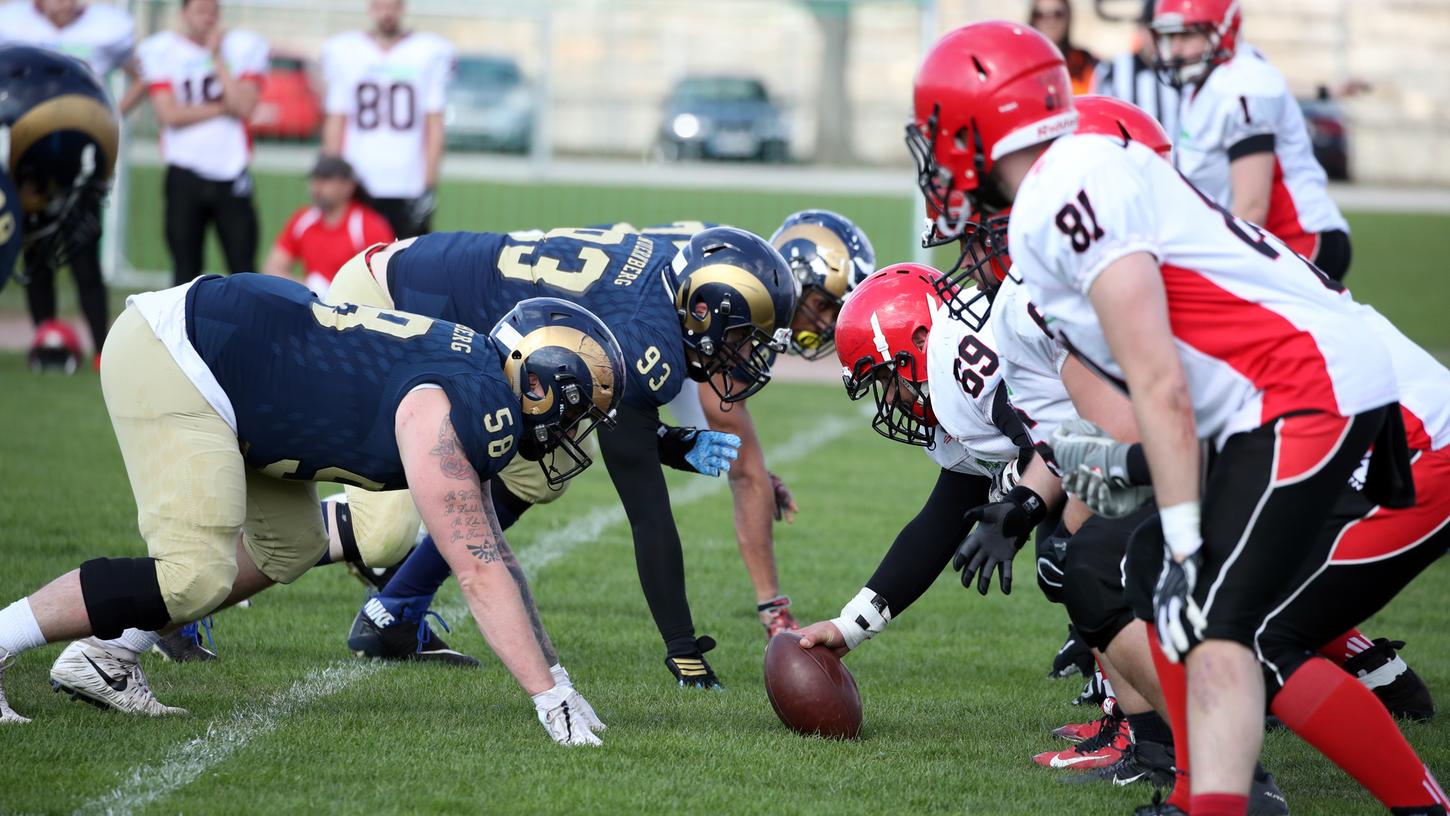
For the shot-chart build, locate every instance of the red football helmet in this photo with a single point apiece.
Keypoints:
(984, 90)
(881, 342)
(1218, 20)
(1107, 116)
(56, 347)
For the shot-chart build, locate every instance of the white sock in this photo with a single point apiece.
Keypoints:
(134, 640)
(19, 630)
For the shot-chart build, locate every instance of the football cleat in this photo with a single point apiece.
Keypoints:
(1075, 657)
(775, 616)
(1095, 692)
(184, 645)
(1265, 798)
(7, 714)
(692, 670)
(377, 634)
(1102, 750)
(1077, 732)
(1150, 762)
(1158, 807)
(106, 677)
(1381, 669)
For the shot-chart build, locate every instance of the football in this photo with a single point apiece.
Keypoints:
(811, 690)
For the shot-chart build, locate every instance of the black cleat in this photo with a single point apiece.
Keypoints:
(377, 634)
(1381, 669)
(1265, 798)
(1149, 762)
(184, 645)
(1158, 807)
(692, 670)
(1075, 657)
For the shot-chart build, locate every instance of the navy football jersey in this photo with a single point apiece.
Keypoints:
(9, 227)
(623, 277)
(316, 387)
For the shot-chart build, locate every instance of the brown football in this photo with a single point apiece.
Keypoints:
(811, 690)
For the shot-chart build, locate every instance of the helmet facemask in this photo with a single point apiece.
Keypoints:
(737, 363)
(552, 438)
(1178, 72)
(969, 286)
(901, 395)
(819, 338)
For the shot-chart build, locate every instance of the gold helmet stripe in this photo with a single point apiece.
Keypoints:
(575, 340)
(831, 249)
(762, 310)
(67, 112)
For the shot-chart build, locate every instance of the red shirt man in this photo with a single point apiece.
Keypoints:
(325, 234)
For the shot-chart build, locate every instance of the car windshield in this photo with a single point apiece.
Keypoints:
(477, 73)
(720, 89)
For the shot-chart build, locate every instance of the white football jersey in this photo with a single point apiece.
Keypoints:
(102, 37)
(218, 148)
(964, 373)
(1424, 385)
(385, 96)
(1261, 333)
(1243, 107)
(1032, 362)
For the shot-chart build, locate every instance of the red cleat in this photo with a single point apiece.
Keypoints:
(1100, 751)
(775, 616)
(1078, 732)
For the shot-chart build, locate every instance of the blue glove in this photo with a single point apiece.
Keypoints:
(713, 452)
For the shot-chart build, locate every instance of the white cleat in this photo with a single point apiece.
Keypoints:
(106, 677)
(7, 714)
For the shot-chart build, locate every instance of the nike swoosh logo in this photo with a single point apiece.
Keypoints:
(1063, 762)
(118, 685)
(1119, 780)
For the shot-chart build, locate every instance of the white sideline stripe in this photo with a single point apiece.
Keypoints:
(556, 544)
(144, 784)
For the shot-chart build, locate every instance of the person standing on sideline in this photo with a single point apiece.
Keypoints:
(1132, 76)
(103, 37)
(204, 82)
(386, 90)
(324, 235)
(1054, 19)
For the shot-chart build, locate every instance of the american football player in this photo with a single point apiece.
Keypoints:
(1242, 137)
(1129, 292)
(62, 135)
(223, 472)
(714, 311)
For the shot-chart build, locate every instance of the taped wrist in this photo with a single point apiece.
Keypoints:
(1029, 512)
(673, 444)
(561, 676)
(121, 594)
(1181, 528)
(863, 618)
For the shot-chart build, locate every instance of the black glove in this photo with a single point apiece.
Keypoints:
(1179, 619)
(1001, 528)
(1051, 565)
(691, 670)
(422, 208)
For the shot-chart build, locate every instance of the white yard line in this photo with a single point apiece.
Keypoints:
(144, 784)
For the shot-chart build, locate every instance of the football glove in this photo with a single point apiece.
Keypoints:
(1179, 620)
(1051, 565)
(585, 711)
(785, 506)
(561, 712)
(1095, 469)
(691, 670)
(1000, 530)
(700, 451)
(422, 208)
(1004, 480)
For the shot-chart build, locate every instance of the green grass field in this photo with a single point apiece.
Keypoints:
(955, 697)
(956, 702)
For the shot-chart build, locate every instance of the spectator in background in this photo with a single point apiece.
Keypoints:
(204, 82)
(1132, 77)
(325, 234)
(386, 90)
(102, 37)
(1054, 19)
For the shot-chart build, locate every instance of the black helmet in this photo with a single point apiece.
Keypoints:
(735, 297)
(580, 371)
(58, 136)
(829, 254)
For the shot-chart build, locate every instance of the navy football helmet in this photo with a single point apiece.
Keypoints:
(827, 254)
(735, 295)
(577, 380)
(59, 134)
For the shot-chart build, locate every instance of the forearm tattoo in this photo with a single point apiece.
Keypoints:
(517, 571)
(450, 454)
(471, 522)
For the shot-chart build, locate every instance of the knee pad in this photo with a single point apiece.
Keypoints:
(121, 594)
(1093, 590)
(1141, 566)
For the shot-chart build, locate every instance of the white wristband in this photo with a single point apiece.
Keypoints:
(863, 618)
(561, 677)
(1180, 529)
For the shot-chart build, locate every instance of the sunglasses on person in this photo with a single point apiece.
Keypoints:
(1054, 14)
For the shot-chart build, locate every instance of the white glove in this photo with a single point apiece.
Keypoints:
(1103, 495)
(584, 711)
(1095, 469)
(561, 711)
(1006, 479)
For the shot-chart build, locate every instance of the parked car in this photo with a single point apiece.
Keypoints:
(1325, 119)
(722, 117)
(490, 106)
(289, 107)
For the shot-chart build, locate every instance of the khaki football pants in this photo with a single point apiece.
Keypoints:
(385, 524)
(194, 493)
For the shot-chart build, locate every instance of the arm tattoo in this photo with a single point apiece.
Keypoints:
(472, 522)
(450, 454)
(517, 571)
